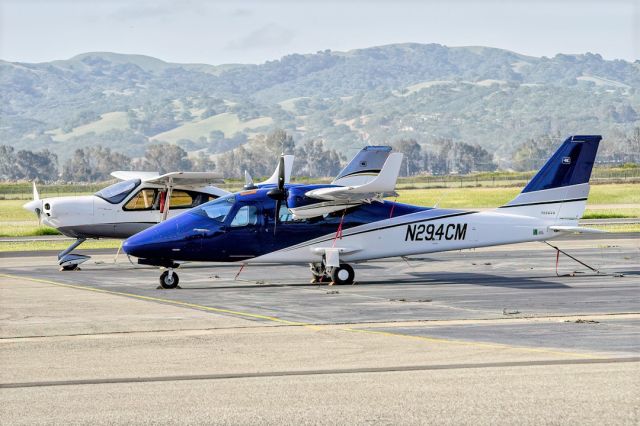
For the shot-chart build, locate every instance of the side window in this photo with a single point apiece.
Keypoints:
(180, 199)
(284, 214)
(246, 215)
(143, 200)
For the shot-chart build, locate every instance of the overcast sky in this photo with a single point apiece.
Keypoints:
(217, 32)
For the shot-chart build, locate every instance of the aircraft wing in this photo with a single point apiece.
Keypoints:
(187, 178)
(382, 186)
(127, 175)
(179, 178)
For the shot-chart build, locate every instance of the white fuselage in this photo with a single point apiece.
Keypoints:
(90, 216)
(422, 232)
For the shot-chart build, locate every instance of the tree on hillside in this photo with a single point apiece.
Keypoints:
(413, 161)
(203, 163)
(94, 164)
(279, 142)
(460, 157)
(633, 146)
(533, 153)
(7, 162)
(36, 165)
(260, 155)
(164, 158)
(312, 159)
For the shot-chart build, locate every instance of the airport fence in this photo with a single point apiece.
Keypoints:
(600, 175)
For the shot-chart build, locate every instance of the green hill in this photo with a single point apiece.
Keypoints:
(479, 95)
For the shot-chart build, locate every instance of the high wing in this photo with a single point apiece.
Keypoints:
(382, 186)
(178, 178)
(187, 179)
(128, 175)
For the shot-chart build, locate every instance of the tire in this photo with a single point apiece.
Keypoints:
(343, 274)
(167, 281)
(71, 267)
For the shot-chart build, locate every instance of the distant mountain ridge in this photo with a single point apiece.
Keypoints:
(480, 95)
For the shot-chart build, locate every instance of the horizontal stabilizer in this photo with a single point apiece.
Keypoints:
(383, 185)
(576, 229)
(364, 167)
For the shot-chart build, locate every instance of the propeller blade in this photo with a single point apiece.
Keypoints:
(248, 181)
(281, 174)
(36, 196)
(275, 216)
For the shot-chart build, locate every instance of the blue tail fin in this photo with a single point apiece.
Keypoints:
(570, 165)
(560, 189)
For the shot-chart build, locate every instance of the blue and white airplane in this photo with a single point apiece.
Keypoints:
(331, 226)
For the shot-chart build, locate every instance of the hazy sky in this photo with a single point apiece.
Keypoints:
(218, 32)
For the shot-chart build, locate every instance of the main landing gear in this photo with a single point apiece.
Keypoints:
(339, 275)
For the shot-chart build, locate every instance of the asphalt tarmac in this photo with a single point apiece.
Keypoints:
(489, 336)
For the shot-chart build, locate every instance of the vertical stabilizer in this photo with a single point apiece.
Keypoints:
(560, 189)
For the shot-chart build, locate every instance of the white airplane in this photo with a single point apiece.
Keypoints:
(330, 226)
(138, 201)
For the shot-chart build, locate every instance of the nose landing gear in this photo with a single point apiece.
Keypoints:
(169, 279)
(70, 261)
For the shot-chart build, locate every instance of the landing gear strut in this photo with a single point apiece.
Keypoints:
(69, 261)
(318, 273)
(169, 279)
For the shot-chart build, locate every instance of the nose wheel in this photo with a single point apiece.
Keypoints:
(169, 279)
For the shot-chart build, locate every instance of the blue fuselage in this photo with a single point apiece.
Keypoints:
(196, 236)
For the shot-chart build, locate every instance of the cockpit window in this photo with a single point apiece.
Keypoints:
(246, 215)
(118, 191)
(217, 209)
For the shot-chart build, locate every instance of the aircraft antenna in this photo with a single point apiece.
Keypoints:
(442, 197)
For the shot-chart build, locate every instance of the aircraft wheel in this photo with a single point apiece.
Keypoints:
(71, 267)
(343, 274)
(168, 280)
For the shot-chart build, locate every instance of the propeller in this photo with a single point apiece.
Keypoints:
(278, 193)
(248, 181)
(35, 205)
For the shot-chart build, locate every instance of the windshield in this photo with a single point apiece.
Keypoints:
(118, 191)
(217, 209)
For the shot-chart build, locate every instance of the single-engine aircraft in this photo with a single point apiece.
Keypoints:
(138, 201)
(331, 226)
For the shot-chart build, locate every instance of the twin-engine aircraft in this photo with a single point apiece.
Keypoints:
(332, 226)
(138, 201)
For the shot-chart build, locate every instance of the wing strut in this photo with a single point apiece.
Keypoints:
(167, 202)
